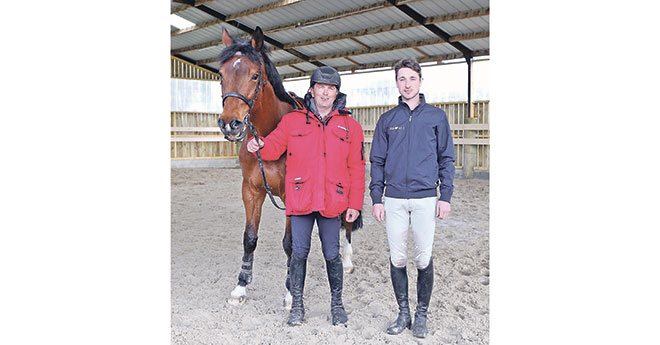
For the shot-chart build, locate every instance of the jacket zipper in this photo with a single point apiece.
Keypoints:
(408, 150)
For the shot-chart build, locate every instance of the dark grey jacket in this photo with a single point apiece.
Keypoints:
(411, 151)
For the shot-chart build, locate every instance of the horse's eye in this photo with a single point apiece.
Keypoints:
(255, 76)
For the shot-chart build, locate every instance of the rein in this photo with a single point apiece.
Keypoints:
(253, 130)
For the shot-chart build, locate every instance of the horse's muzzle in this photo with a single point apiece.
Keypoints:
(234, 131)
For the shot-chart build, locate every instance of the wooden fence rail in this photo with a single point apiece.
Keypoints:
(197, 135)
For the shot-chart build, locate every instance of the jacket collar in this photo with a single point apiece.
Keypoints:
(338, 105)
(422, 101)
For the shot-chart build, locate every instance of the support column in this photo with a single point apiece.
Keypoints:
(470, 109)
(469, 151)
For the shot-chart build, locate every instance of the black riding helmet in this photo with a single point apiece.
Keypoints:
(326, 75)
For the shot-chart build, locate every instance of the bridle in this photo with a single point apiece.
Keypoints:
(250, 104)
(252, 129)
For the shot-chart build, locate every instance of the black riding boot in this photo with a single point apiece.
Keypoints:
(400, 285)
(297, 271)
(424, 288)
(335, 270)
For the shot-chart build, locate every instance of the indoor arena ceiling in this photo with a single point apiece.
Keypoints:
(348, 35)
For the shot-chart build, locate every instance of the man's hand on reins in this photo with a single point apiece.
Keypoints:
(252, 145)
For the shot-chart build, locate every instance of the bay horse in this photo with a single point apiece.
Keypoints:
(254, 102)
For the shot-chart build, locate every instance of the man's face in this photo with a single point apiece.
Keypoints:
(408, 82)
(324, 95)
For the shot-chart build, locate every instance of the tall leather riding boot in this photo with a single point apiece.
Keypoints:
(424, 288)
(297, 272)
(335, 270)
(400, 285)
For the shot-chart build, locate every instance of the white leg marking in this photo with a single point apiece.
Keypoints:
(238, 295)
(288, 299)
(348, 253)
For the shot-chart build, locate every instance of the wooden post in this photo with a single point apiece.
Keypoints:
(470, 157)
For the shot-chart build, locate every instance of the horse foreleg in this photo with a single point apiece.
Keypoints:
(288, 249)
(253, 199)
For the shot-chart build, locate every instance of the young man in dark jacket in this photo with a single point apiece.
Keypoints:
(324, 177)
(412, 149)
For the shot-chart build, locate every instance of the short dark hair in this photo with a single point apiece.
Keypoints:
(409, 62)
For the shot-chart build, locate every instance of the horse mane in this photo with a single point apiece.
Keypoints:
(245, 47)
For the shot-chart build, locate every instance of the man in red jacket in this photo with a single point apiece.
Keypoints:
(324, 177)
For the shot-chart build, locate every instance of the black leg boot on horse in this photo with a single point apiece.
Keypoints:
(297, 272)
(424, 289)
(335, 270)
(400, 285)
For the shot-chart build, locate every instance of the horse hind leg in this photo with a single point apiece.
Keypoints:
(288, 250)
(347, 261)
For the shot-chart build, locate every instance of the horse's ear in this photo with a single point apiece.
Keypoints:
(226, 39)
(258, 39)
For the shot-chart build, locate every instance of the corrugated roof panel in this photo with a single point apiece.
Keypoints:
(397, 37)
(195, 15)
(207, 53)
(286, 69)
(479, 44)
(329, 47)
(462, 26)
(307, 66)
(232, 7)
(440, 49)
(386, 56)
(306, 9)
(336, 62)
(391, 15)
(434, 8)
(197, 37)
(175, 6)
(335, 26)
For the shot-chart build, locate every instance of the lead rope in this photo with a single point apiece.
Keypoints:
(261, 165)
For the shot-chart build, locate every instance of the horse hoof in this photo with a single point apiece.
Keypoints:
(238, 296)
(348, 270)
(237, 301)
(288, 300)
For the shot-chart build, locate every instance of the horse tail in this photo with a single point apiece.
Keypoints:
(357, 224)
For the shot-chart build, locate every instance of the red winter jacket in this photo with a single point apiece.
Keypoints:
(324, 161)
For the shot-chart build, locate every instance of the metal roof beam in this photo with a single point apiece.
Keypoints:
(403, 45)
(410, 12)
(437, 58)
(234, 16)
(392, 27)
(344, 54)
(249, 30)
(292, 25)
(189, 4)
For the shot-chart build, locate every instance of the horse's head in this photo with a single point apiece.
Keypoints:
(242, 72)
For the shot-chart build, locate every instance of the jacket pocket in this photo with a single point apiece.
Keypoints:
(298, 194)
(341, 133)
(336, 194)
(340, 140)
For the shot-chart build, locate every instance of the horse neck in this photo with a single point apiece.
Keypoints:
(269, 111)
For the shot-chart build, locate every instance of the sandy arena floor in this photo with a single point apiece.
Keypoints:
(207, 232)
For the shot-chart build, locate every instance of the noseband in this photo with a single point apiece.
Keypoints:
(250, 104)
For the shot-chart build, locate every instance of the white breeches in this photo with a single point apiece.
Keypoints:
(400, 215)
